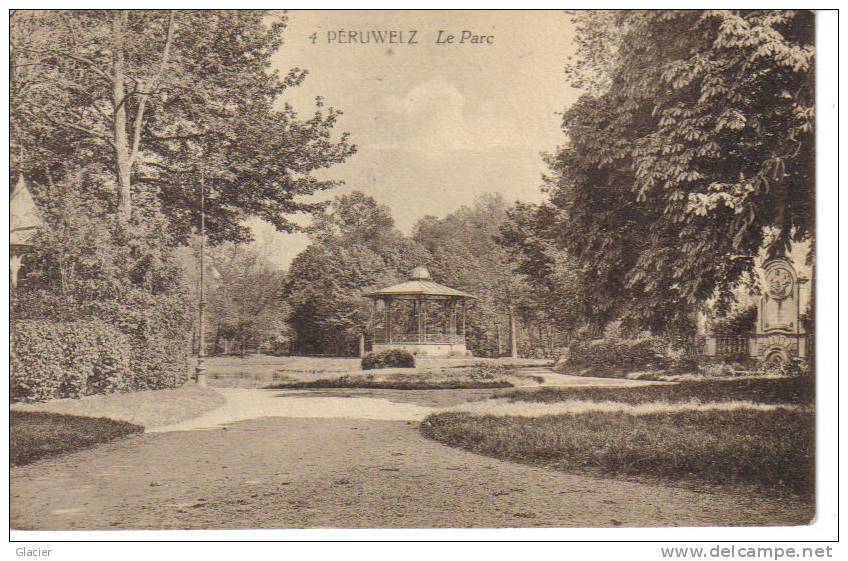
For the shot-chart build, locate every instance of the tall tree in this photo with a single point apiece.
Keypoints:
(245, 300)
(355, 247)
(85, 265)
(556, 291)
(691, 153)
(164, 101)
(465, 254)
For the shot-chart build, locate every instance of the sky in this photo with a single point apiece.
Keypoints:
(435, 125)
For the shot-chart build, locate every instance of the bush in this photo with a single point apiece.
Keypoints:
(794, 367)
(739, 322)
(392, 358)
(36, 361)
(50, 360)
(158, 362)
(614, 354)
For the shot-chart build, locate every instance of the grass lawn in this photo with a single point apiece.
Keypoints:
(771, 448)
(36, 435)
(148, 409)
(796, 391)
(460, 379)
(455, 378)
(261, 371)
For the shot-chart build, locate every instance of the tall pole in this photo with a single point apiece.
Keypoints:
(200, 369)
(513, 336)
(500, 346)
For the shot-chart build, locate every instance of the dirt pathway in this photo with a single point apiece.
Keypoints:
(282, 472)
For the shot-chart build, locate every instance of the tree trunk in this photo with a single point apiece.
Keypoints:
(216, 346)
(121, 140)
(513, 342)
(500, 345)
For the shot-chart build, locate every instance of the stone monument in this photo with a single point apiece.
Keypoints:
(779, 333)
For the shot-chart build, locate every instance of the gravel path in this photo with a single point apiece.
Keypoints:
(342, 472)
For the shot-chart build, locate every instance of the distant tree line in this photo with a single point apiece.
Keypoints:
(355, 247)
(689, 156)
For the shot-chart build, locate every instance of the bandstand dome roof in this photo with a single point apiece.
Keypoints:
(420, 283)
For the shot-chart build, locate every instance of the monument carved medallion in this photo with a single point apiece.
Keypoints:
(779, 282)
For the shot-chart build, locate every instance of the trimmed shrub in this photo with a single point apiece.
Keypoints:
(158, 362)
(392, 358)
(50, 360)
(739, 322)
(612, 353)
(794, 367)
(36, 362)
(106, 350)
(716, 370)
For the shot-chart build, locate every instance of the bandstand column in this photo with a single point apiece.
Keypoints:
(412, 325)
(419, 316)
(372, 321)
(463, 318)
(387, 304)
(424, 319)
(452, 317)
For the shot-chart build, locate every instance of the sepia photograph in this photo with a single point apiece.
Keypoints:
(413, 269)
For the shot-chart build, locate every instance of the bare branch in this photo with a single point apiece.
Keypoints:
(154, 83)
(84, 130)
(177, 137)
(76, 58)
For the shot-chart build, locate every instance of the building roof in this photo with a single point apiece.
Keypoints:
(420, 283)
(24, 216)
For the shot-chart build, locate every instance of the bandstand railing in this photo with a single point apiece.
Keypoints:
(424, 338)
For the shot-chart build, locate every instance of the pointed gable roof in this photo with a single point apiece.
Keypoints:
(23, 214)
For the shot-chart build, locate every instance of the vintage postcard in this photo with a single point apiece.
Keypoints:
(375, 269)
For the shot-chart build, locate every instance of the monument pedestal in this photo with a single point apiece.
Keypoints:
(779, 332)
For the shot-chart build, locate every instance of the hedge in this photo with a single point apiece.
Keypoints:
(159, 362)
(612, 353)
(392, 358)
(51, 360)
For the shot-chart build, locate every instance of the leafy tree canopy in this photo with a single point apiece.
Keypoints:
(245, 297)
(355, 247)
(466, 254)
(160, 102)
(555, 289)
(691, 153)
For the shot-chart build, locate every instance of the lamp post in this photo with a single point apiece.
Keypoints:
(200, 369)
